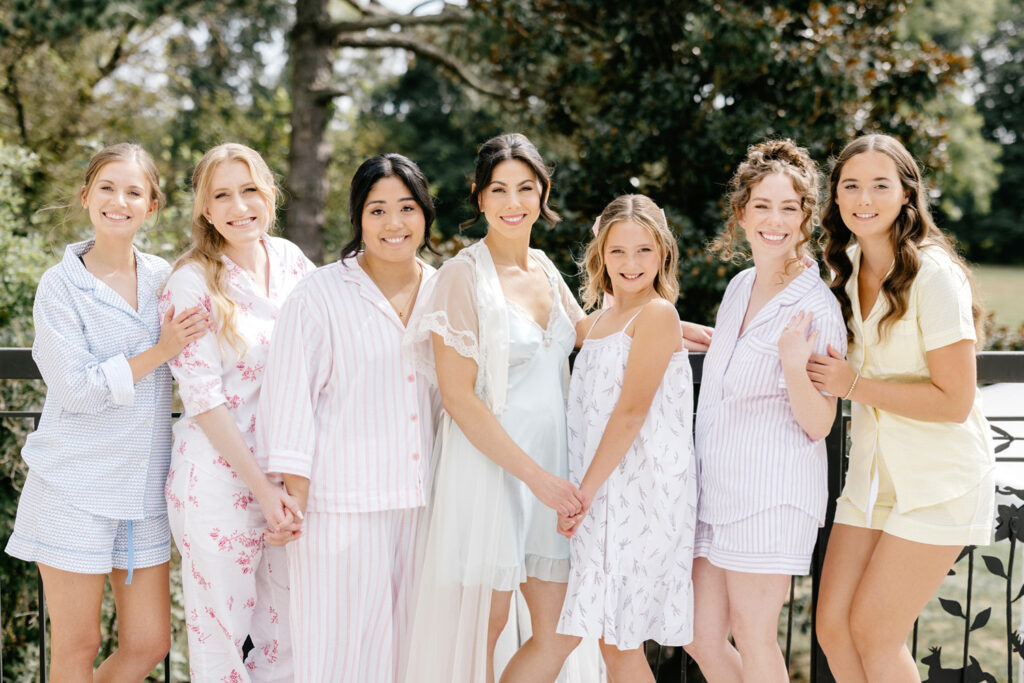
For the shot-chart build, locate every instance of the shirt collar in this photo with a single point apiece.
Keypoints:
(77, 274)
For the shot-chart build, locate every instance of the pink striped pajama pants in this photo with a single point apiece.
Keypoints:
(351, 584)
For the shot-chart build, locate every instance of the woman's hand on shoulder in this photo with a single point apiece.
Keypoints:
(177, 332)
(795, 344)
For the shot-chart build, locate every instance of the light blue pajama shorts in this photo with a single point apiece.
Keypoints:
(51, 531)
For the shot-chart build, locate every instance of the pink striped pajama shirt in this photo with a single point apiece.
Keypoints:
(341, 407)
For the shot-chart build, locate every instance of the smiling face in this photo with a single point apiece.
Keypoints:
(772, 218)
(869, 195)
(511, 201)
(118, 199)
(632, 258)
(393, 223)
(234, 205)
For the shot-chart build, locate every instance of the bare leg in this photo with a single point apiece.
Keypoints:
(73, 603)
(849, 551)
(718, 659)
(541, 657)
(755, 601)
(143, 624)
(500, 602)
(626, 666)
(900, 579)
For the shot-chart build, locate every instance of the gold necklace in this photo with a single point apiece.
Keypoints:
(404, 310)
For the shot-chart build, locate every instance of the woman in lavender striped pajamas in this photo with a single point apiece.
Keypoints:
(760, 422)
(350, 425)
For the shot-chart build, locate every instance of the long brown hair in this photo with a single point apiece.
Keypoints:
(641, 210)
(762, 160)
(208, 244)
(913, 229)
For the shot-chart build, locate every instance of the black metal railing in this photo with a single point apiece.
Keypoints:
(671, 664)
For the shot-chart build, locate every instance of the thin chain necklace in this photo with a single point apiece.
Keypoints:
(404, 310)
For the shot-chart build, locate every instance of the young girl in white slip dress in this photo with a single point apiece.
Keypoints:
(630, 419)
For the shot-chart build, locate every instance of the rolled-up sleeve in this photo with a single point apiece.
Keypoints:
(298, 367)
(75, 377)
(199, 367)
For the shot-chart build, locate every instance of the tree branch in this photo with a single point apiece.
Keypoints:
(327, 93)
(427, 51)
(447, 17)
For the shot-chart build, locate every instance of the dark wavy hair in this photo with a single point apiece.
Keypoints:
(913, 229)
(367, 175)
(506, 147)
(762, 160)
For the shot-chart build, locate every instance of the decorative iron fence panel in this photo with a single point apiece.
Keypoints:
(671, 665)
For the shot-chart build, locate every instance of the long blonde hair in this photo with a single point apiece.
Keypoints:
(762, 160)
(913, 229)
(208, 245)
(641, 210)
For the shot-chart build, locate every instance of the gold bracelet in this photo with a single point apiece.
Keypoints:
(850, 391)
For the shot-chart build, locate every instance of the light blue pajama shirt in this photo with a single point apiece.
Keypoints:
(101, 452)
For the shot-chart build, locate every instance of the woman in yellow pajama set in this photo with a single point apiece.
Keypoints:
(920, 482)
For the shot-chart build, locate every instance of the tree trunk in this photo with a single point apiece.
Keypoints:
(310, 151)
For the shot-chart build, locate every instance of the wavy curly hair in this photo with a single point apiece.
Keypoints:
(913, 229)
(762, 160)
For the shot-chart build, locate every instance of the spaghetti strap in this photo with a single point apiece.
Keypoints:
(630, 321)
(591, 329)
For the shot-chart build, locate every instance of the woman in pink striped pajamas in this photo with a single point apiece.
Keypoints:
(349, 424)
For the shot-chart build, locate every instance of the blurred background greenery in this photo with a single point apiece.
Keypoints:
(653, 96)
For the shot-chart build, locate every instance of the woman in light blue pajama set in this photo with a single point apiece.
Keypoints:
(93, 501)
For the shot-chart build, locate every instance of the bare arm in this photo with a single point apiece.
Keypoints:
(457, 376)
(814, 412)
(278, 507)
(947, 397)
(696, 337)
(656, 337)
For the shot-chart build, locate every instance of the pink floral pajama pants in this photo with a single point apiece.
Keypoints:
(234, 584)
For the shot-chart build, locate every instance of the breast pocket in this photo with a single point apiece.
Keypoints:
(901, 350)
(755, 369)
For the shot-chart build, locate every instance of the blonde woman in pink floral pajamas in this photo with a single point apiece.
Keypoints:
(219, 499)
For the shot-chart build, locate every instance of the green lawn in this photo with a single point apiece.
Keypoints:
(1002, 292)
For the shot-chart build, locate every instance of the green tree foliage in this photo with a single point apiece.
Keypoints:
(438, 124)
(176, 77)
(994, 232)
(22, 261)
(663, 97)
